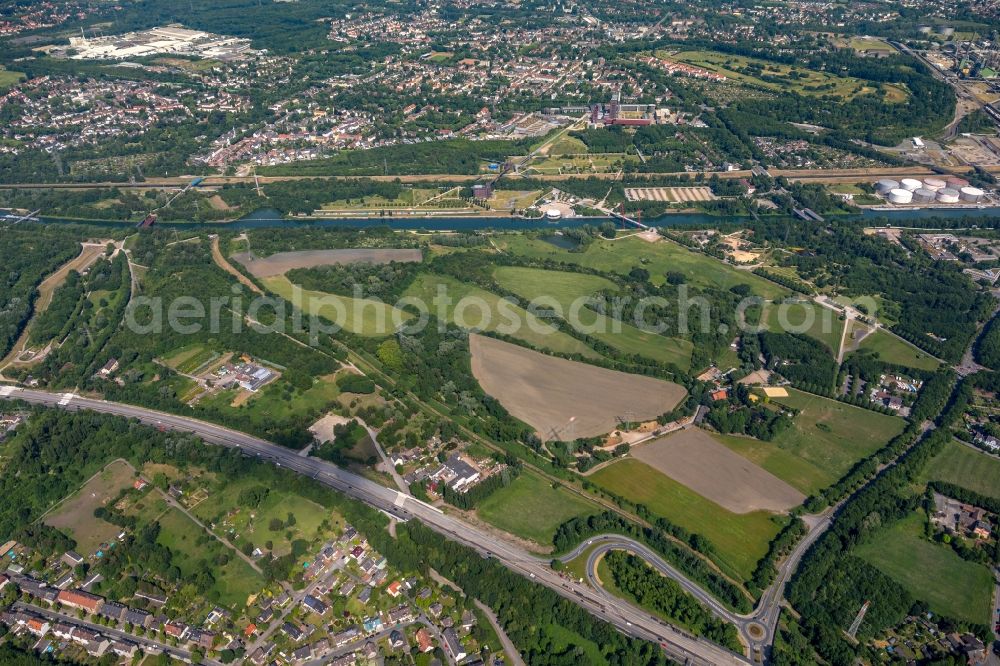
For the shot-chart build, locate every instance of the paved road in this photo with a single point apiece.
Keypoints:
(628, 619)
(757, 629)
(147, 644)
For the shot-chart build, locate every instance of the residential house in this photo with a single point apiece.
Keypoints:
(112, 610)
(424, 643)
(292, 631)
(84, 601)
(314, 604)
(138, 618)
(453, 645)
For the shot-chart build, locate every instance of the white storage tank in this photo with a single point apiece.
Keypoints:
(923, 195)
(910, 184)
(900, 196)
(886, 185)
(934, 184)
(947, 195)
(971, 194)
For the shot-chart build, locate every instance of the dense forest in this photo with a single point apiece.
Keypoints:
(28, 255)
(640, 583)
(934, 304)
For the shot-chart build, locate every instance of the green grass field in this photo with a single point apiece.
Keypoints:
(740, 540)
(826, 439)
(899, 352)
(234, 581)
(621, 256)
(357, 315)
(75, 515)
(9, 78)
(530, 508)
(804, 82)
(269, 404)
(967, 468)
(568, 145)
(562, 638)
(566, 287)
(806, 317)
(527, 328)
(930, 571)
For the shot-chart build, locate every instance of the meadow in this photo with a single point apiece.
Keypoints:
(966, 467)
(75, 515)
(796, 79)
(825, 440)
(931, 572)
(531, 329)
(622, 255)
(808, 318)
(739, 540)
(899, 352)
(362, 316)
(532, 509)
(566, 287)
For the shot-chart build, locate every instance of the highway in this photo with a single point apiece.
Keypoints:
(628, 619)
(757, 629)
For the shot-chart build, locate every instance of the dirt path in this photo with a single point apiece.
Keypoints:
(224, 264)
(508, 645)
(88, 255)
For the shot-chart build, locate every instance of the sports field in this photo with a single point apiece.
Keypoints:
(893, 350)
(966, 467)
(474, 308)
(808, 318)
(75, 515)
(621, 256)
(531, 508)
(931, 571)
(565, 399)
(565, 288)
(826, 439)
(693, 458)
(740, 540)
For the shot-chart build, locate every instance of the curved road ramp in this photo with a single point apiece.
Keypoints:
(564, 399)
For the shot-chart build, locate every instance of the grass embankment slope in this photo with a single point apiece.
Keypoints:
(565, 288)
(659, 258)
(475, 308)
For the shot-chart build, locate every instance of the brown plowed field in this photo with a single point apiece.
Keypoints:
(693, 458)
(546, 392)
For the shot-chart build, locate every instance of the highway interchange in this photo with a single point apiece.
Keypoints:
(757, 628)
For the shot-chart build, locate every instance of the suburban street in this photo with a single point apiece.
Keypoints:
(148, 644)
(627, 618)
